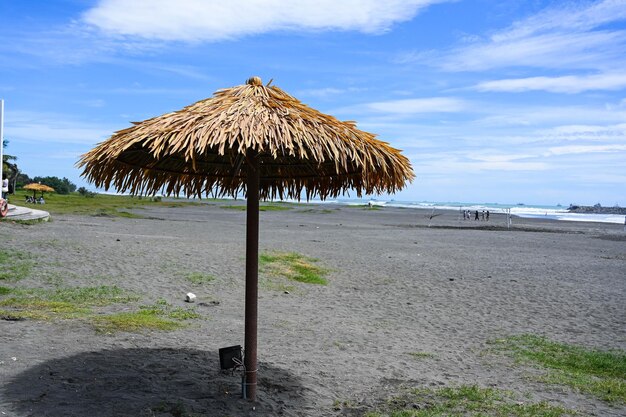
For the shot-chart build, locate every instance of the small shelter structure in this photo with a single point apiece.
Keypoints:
(251, 139)
(34, 187)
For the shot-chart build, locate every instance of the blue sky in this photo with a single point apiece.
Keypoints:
(501, 101)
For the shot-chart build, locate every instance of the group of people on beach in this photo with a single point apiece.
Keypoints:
(484, 216)
(34, 200)
(5, 188)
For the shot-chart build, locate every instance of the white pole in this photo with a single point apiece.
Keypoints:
(1, 138)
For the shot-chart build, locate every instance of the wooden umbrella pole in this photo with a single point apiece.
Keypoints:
(252, 273)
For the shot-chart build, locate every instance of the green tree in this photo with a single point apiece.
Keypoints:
(61, 186)
(22, 179)
(10, 170)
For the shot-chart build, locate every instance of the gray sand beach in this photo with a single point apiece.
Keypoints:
(400, 283)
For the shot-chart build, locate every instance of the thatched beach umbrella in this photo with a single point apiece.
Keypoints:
(38, 187)
(253, 139)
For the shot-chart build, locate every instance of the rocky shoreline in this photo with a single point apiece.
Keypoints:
(597, 209)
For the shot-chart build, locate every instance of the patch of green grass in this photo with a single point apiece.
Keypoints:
(338, 405)
(79, 302)
(134, 321)
(186, 203)
(465, 401)
(199, 278)
(8, 256)
(15, 265)
(30, 222)
(422, 355)
(158, 316)
(591, 371)
(16, 271)
(53, 278)
(320, 211)
(92, 296)
(273, 285)
(234, 207)
(293, 266)
(98, 205)
(112, 212)
(43, 304)
(262, 207)
(276, 206)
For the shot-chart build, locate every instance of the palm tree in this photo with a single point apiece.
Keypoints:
(10, 170)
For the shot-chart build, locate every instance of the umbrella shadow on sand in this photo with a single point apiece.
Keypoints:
(148, 382)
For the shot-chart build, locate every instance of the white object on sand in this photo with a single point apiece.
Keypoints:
(190, 297)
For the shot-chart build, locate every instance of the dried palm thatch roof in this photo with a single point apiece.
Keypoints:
(38, 187)
(200, 150)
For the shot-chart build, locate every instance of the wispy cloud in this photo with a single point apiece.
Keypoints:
(565, 84)
(547, 116)
(578, 35)
(579, 16)
(327, 92)
(72, 156)
(585, 149)
(460, 164)
(30, 127)
(71, 44)
(200, 20)
(417, 105)
(592, 133)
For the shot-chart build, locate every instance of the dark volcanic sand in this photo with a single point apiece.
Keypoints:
(396, 287)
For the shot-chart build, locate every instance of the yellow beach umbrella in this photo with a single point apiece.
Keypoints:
(34, 187)
(253, 139)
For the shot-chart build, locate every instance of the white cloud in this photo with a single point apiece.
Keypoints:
(565, 84)
(327, 92)
(569, 17)
(498, 157)
(505, 166)
(495, 160)
(566, 37)
(48, 128)
(557, 50)
(419, 105)
(459, 165)
(594, 133)
(546, 116)
(69, 155)
(213, 20)
(584, 149)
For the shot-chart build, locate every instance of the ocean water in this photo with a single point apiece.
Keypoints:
(520, 210)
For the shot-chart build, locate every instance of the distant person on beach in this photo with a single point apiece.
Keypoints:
(482, 216)
(476, 215)
(5, 188)
(487, 215)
